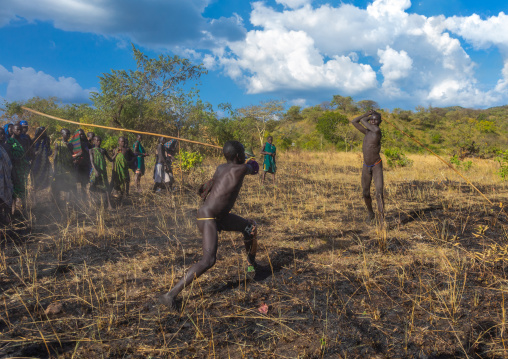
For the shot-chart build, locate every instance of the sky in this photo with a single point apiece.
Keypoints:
(400, 53)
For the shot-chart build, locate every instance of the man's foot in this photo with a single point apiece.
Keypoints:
(168, 300)
(370, 218)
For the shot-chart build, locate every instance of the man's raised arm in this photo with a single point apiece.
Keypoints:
(356, 122)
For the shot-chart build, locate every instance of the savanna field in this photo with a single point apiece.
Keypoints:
(83, 282)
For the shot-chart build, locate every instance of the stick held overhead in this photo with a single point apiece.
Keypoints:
(116, 128)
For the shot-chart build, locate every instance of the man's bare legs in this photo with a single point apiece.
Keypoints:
(368, 173)
(137, 181)
(208, 228)
(263, 178)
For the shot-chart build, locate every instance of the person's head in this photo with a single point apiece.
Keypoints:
(40, 133)
(138, 137)
(162, 140)
(269, 139)
(82, 135)
(10, 128)
(16, 130)
(2, 135)
(24, 126)
(90, 136)
(234, 152)
(375, 118)
(97, 140)
(122, 142)
(66, 134)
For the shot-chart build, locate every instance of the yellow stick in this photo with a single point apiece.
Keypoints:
(445, 162)
(115, 128)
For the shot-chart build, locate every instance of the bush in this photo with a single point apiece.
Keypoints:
(109, 143)
(465, 165)
(503, 162)
(189, 160)
(395, 158)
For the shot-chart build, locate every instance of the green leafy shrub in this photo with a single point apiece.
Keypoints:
(396, 158)
(465, 165)
(109, 143)
(189, 160)
(503, 162)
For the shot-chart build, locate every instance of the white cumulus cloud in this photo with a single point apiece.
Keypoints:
(152, 23)
(25, 82)
(380, 52)
(293, 4)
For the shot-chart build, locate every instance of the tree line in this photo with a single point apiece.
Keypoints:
(162, 96)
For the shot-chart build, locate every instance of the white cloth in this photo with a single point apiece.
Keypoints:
(160, 175)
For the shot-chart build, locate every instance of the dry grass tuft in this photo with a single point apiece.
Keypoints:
(82, 283)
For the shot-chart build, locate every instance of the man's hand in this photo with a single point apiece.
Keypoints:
(254, 166)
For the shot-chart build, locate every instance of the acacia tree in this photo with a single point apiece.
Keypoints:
(153, 95)
(259, 116)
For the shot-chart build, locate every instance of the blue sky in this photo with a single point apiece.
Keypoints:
(400, 53)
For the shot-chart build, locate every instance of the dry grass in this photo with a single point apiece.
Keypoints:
(83, 283)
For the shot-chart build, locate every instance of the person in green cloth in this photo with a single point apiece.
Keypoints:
(64, 178)
(269, 163)
(122, 160)
(20, 168)
(140, 152)
(99, 175)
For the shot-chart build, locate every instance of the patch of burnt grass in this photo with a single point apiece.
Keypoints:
(84, 282)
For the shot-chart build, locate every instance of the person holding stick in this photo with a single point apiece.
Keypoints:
(219, 196)
(368, 124)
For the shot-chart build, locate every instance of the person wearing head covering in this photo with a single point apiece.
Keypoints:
(41, 165)
(7, 130)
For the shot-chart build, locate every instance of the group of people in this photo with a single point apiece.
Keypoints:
(219, 196)
(81, 159)
(78, 159)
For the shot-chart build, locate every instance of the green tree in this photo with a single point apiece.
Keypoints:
(261, 118)
(327, 125)
(366, 105)
(345, 104)
(293, 114)
(152, 96)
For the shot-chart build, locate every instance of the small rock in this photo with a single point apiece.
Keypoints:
(54, 308)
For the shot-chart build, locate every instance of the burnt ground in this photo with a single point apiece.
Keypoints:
(84, 283)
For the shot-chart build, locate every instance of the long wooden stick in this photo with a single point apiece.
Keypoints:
(116, 128)
(442, 160)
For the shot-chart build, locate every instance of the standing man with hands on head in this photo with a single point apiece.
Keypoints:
(368, 124)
